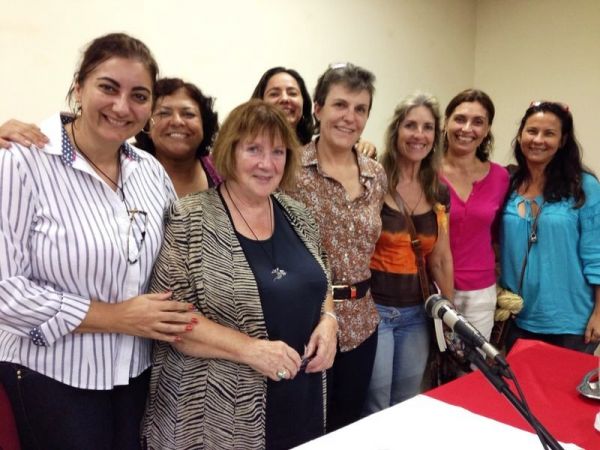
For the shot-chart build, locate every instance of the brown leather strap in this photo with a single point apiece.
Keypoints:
(351, 292)
(415, 243)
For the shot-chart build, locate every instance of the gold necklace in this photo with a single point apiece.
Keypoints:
(277, 273)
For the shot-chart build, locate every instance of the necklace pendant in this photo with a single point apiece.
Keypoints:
(278, 273)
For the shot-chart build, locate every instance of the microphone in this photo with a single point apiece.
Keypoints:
(438, 306)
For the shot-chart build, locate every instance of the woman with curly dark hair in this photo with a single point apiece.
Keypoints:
(179, 134)
(550, 250)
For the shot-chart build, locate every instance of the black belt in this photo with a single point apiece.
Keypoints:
(352, 291)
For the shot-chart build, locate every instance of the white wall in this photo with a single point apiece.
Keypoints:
(530, 50)
(224, 46)
(516, 50)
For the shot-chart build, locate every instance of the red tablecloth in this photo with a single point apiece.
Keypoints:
(548, 376)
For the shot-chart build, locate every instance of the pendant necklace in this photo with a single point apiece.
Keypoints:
(277, 273)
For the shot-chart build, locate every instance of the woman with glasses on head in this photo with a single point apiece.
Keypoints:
(477, 189)
(344, 190)
(251, 374)
(549, 244)
(81, 223)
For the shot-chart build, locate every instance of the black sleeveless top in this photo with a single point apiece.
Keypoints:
(292, 309)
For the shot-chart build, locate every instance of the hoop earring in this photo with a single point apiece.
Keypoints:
(146, 129)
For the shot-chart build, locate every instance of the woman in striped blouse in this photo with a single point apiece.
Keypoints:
(80, 228)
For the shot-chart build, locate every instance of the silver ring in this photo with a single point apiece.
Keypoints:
(282, 374)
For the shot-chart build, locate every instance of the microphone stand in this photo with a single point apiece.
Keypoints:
(495, 374)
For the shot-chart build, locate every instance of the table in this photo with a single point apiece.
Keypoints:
(549, 377)
(426, 423)
(469, 414)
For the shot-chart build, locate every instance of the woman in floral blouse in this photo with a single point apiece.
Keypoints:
(345, 189)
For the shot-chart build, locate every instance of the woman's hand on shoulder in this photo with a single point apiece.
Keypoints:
(366, 148)
(322, 345)
(22, 133)
(272, 358)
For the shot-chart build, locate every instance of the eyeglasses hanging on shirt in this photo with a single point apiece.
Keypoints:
(136, 234)
(138, 219)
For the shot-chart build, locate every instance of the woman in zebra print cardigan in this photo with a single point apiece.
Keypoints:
(251, 373)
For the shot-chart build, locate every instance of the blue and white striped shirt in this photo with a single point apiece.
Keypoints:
(63, 241)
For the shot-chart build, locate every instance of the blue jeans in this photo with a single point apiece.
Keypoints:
(402, 350)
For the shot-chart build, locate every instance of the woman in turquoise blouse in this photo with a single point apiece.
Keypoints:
(562, 272)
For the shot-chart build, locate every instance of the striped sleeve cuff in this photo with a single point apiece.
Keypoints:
(73, 310)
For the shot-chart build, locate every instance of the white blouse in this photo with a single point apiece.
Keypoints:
(66, 237)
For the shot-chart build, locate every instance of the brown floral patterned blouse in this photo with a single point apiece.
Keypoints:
(349, 230)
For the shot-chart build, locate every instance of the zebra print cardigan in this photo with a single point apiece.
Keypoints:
(197, 403)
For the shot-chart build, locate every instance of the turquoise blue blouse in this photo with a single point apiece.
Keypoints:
(563, 266)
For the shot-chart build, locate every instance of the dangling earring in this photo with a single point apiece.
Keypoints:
(77, 111)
